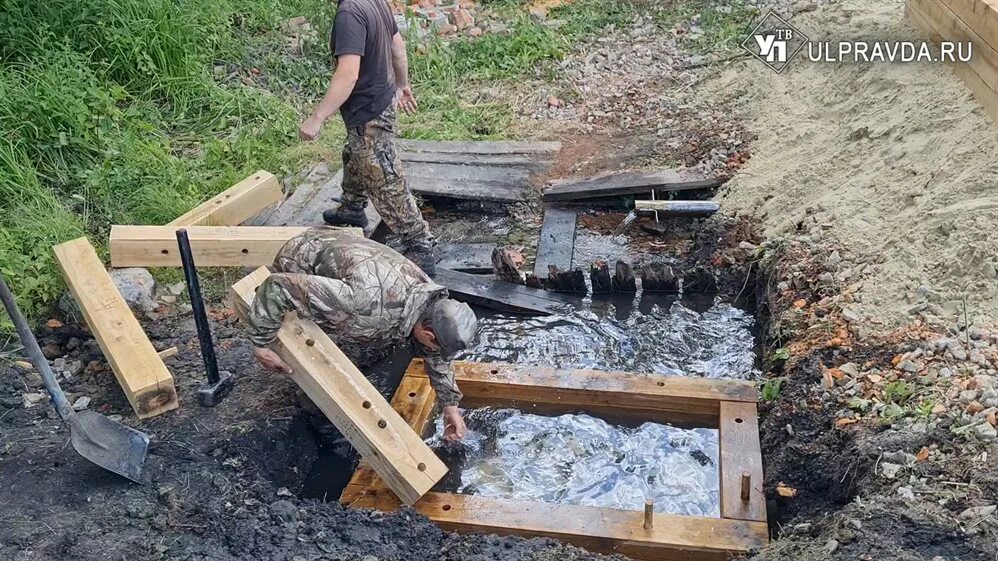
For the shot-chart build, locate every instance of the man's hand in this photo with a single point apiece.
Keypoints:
(309, 129)
(269, 360)
(405, 100)
(454, 428)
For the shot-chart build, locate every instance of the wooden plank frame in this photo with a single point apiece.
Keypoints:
(727, 405)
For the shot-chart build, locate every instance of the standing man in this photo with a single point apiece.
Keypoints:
(371, 79)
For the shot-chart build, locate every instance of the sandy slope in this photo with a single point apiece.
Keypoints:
(898, 159)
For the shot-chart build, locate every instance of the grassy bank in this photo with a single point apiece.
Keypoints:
(134, 111)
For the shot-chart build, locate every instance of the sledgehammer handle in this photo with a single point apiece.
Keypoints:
(197, 307)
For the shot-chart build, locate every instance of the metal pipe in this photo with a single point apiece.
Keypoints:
(197, 307)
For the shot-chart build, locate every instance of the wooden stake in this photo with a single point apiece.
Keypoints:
(746, 486)
(649, 514)
(167, 353)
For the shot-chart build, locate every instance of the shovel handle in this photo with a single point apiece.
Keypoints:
(35, 352)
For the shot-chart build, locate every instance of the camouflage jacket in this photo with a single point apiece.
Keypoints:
(363, 294)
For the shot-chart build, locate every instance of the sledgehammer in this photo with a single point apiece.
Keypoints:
(219, 384)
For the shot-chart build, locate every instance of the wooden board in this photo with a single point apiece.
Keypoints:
(556, 242)
(984, 59)
(522, 160)
(236, 204)
(606, 530)
(741, 453)
(140, 371)
(479, 183)
(305, 205)
(480, 146)
(979, 15)
(626, 183)
(474, 258)
(984, 95)
(681, 400)
(348, 399)
(675, 208)
(503, 296)
(212, 246)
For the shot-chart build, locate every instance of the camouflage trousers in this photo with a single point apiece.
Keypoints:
(372, 170)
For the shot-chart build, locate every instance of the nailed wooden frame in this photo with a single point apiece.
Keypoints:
(727, 405)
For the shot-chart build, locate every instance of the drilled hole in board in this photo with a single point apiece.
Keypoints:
(165, 252)
(446, 507)
(310, 342)
(421, 466)
(739, 420)
(412, 394)
(382, 424)
(495, 371)
(245, 251)
(661, 384)
(366, 404)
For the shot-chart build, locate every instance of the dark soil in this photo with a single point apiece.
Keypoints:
(224, 482)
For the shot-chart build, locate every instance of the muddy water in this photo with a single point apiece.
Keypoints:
(583, 460)
(658, 335)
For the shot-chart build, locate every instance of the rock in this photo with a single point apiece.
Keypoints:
(31, 399)
(24, 365)
(463, 19)
(978, 512)
(538, 13)
(850, 315)
(985, 431)
(475, 32)
(81, 404)
(908, 366)
(834, 259)
(369, 558)
(33, 380)
(52, 351)
(285, 511)
(284, 492)
(889, 470)
(906, 493)
(136, 286)
(830, 547)
(850, 369)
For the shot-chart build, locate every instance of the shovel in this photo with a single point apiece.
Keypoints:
(109, 444)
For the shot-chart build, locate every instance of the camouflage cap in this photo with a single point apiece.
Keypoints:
(455, 326)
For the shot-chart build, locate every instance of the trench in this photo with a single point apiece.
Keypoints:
(582, 459)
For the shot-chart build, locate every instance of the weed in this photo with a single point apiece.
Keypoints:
(771, 389)
(898, 392)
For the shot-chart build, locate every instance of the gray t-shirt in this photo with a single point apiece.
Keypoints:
(366, 28)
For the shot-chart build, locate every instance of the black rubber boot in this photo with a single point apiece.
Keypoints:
(423, 255)
(346, 216)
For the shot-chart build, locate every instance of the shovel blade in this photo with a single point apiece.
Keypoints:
(109, 444)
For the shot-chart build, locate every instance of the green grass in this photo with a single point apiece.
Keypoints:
(724, 25)
(128, 112)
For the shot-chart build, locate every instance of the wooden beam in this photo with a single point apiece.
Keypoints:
(212, 246)
(984, 95)
(523, 160)
(674, 399)
(979, 15)
(503, 296)
(626, 183)
(556, 242)
(741, 455)
(140, 371)
(348, 399)
(237, 204)
(984, 59)
(415, 401)
(480, 146)
(167, 353)
(605, 530)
